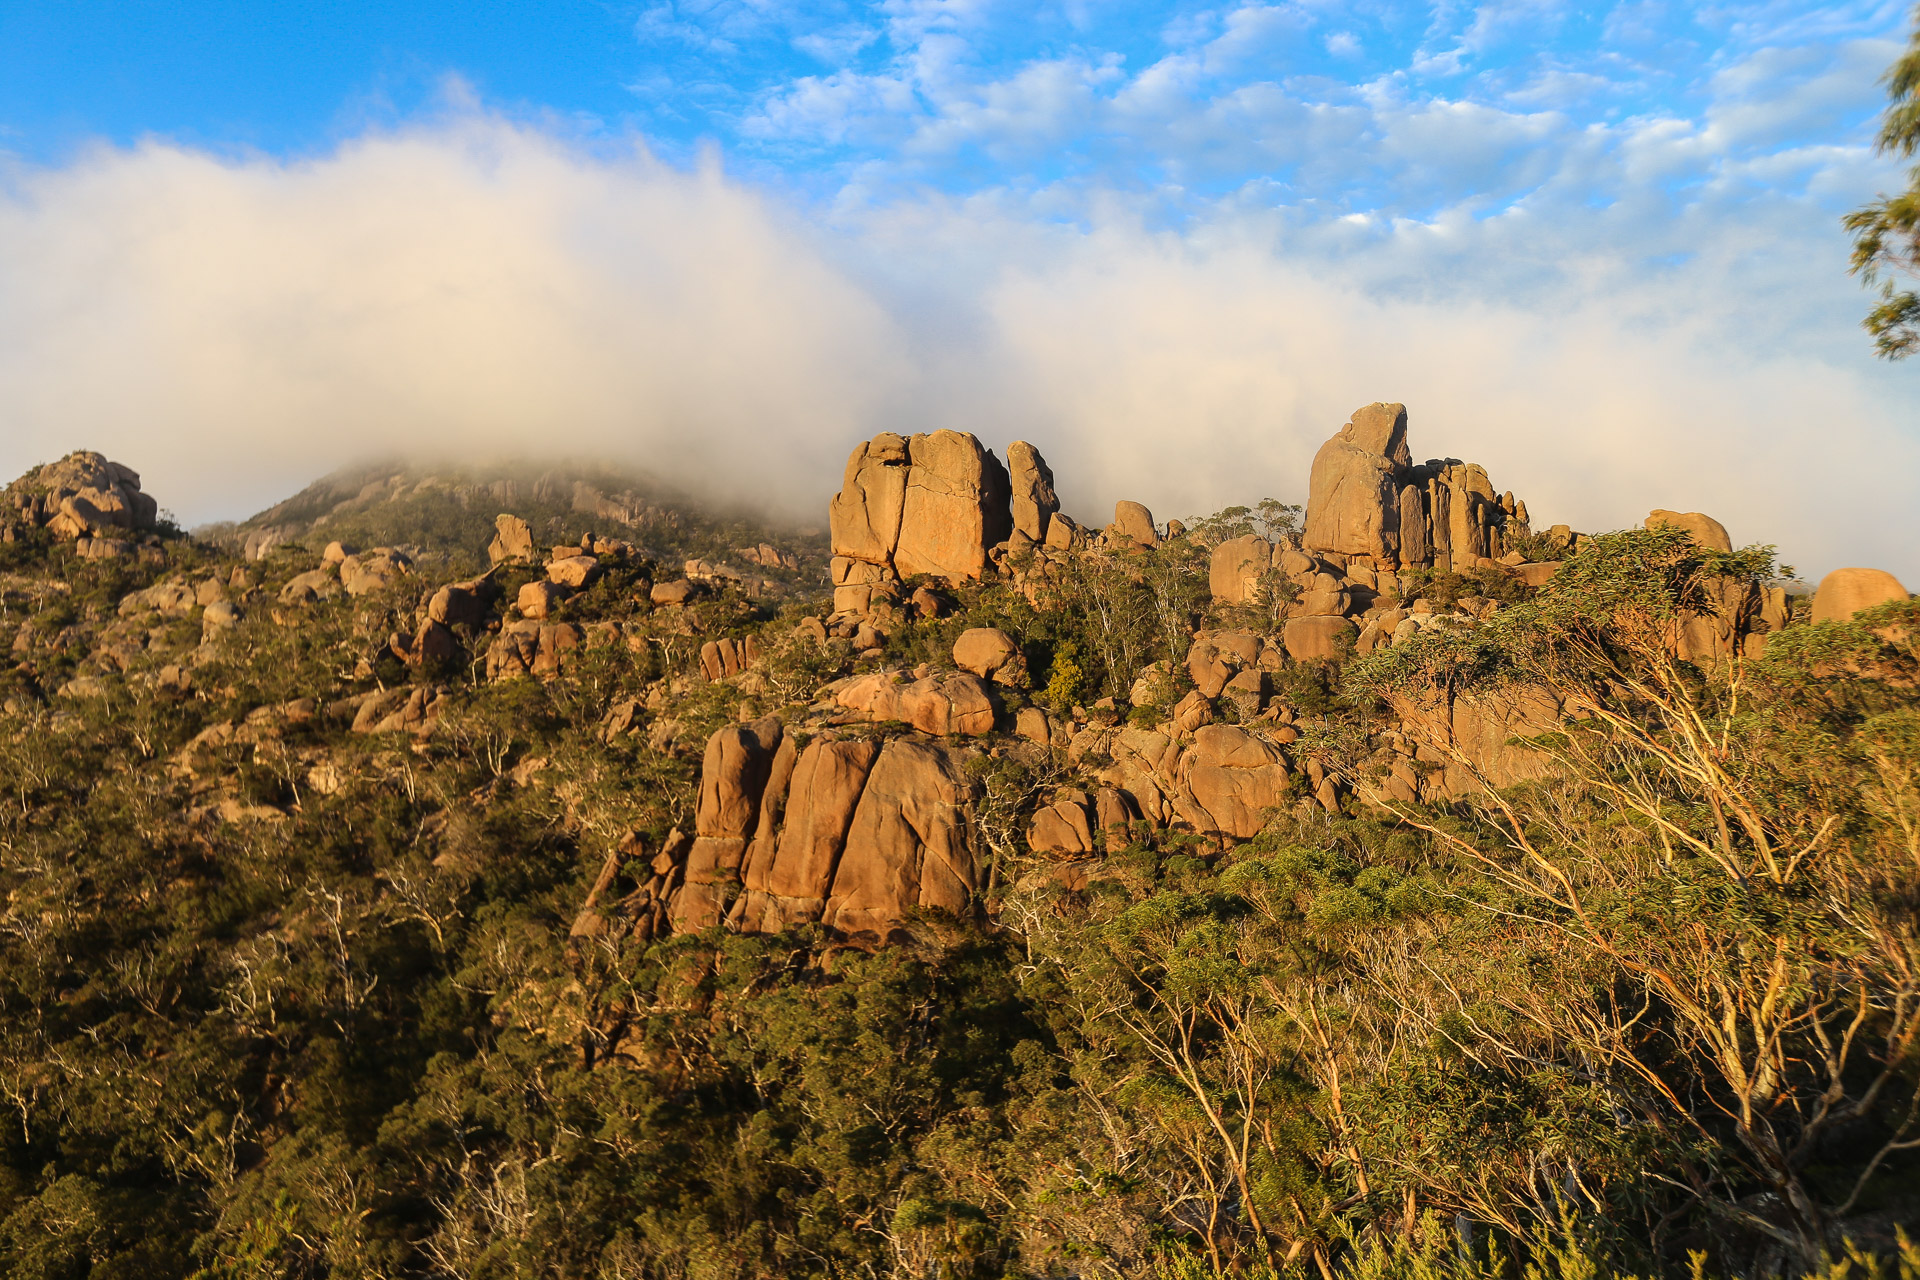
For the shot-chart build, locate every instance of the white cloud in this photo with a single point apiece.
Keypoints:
(836, 45)
(232, 328)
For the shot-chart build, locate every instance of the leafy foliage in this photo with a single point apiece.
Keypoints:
(1886, 233)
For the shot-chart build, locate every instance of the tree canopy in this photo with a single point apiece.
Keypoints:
(1886, 233)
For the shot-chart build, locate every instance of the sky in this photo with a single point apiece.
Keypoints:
(1594, 247)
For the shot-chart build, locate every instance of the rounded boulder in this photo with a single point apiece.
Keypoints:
(984, 650)
(1845, 592)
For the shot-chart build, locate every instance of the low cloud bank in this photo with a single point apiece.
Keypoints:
(235, 327)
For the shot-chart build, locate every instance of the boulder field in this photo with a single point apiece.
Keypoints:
(866, 806)
(847, 823)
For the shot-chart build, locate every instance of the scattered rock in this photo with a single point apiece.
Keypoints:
(512, 540)
(573, 571)
(373, 570)
(677, 592)
(985, 651)
(305, 588)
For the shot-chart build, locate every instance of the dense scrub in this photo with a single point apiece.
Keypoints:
(297, 1001)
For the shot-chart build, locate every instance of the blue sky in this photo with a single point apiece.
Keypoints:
(1341, 108)
(1172, 243)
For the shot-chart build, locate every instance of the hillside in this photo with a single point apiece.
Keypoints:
(446, 873)
(446, 513)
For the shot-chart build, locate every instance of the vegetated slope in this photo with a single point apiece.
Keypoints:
(326, 952)
(447, 511)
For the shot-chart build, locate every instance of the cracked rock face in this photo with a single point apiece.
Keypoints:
(1353, 503)
(850, 833)
(933, 504)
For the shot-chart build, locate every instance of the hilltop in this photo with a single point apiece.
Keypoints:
(446, 512)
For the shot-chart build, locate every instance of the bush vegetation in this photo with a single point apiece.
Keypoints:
(283, 1000)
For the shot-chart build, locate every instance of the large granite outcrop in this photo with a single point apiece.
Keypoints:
(1368, 500)
(1032, 499)
(931, 504)
(1353, 504)
(851, 833)
(83, 496)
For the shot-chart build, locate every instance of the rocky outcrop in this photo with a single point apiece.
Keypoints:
(853, 834)
(726, 657)
(938, 504)
(953, 702)
(739, 763)
(1353, 502)
(373, 570)
(1845, 592)
(933, 504)
(1704, 529)
(512, 540)
(1238, 568)
(1229, 781)
(956, 507)
(1134, 523)
(991, 654)
(1031, 497)
(1368, 500)
(83, 496)
(911, 844)
(788, 879)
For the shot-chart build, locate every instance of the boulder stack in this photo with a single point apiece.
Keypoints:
(933, 504)
(1367, 500)
(83, 496)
